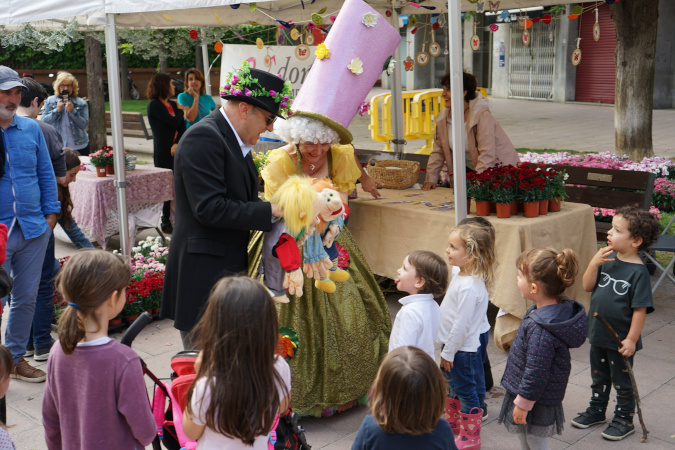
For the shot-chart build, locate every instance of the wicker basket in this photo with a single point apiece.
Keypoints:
(403, 176)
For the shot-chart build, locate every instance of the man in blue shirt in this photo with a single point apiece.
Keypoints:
(28, 207)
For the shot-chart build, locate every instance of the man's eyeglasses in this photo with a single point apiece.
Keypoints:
(269, 120)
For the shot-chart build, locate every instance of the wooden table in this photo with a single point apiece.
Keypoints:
(386, 233)
(95, 201)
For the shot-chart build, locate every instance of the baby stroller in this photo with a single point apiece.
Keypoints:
(169, 399)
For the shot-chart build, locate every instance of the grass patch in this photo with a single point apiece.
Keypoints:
(140, 106)
(663, 221)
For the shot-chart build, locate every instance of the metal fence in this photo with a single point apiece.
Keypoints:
(531, 67)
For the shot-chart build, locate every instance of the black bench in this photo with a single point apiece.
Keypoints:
(133, 125)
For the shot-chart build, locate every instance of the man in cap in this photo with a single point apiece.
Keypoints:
(29, 211)
(216, 188)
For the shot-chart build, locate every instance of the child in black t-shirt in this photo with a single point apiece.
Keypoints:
(622, 294)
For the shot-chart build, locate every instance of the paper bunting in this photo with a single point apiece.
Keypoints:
(241, 38)
(235, 6)
(218, 47)
(473, 1)
(536, 19)
(412, 21)
(295, 34)
(387, 13)
(194, 34)
(217, 18)
(409, 63)
(253, 22)
(167, 17)
(494, 6)
(317, 19)
(494, 27)
(310, 25)
(322, 10)
(546, 18)
(252, 7)
(578, 10)
(573, 16)
(284, 24)
(505, 14)
(528, 23)
(417, 6)
(480, 7)
(259, 43)
(436, 26)
(332, 18)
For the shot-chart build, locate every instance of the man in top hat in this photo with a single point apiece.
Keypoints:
(28, 207)
(216, 189)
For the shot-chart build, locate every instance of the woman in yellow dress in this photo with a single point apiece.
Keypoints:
(342, 336)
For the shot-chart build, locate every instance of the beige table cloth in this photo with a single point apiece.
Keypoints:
(386, 233)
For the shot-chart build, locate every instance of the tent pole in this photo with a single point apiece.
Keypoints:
(396, 95)
(118, 142)
(205, 60)
(457, 108)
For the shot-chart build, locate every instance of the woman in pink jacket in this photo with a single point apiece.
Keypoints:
(485, 142)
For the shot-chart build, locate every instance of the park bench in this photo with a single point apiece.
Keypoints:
(133, 125)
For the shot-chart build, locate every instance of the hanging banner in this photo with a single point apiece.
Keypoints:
(273, 59)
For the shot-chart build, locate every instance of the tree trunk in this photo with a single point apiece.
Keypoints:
(96, 131)
(199, 58)
(124, 81)
(635, 54)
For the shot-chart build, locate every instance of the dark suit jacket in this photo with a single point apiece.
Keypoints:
(217, 206)
(166, 130)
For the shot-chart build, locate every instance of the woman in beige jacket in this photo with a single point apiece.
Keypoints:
(485, 142)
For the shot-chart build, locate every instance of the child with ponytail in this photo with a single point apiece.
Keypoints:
(539, 362)
(95, 396)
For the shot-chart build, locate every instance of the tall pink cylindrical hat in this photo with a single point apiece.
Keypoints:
(357, 46)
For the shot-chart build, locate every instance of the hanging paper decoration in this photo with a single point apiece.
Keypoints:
(317, 19)
(546, 18)
(422, 58)
(167, 17)
(218, 47)
(332, 18)
(252, 7)
(494, 27)
(253, 22)
(528, 23)
(369, 20)
(435, 26)
(473, 1)
(412, 21)
(194, 34)
(409, 63)
(596, 27)
(309, 38)
(413, 31)
(578, 10)
(480, 7)
(526, 37)
(536, 19)
(417, 6)
(259, 43)
(434, 49)
(356, 66)
(235, 6)
(494, 6)
(295, 34)
(310, 26)
(387, 13)
(505, 14)
(217, 18)
(285, 24)
(322, 51)
(241, 38)
(322, 10)
(573, 16)
(475, 42)
(302, 52)
(576, 54)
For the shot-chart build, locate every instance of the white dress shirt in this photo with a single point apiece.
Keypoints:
(245, 149)
(416, 323)
(463, 315)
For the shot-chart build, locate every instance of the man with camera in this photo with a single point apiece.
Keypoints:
(68, 113)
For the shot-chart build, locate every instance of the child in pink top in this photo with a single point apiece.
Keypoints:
(95, 396)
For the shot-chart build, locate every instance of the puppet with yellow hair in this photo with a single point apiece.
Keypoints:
(321, 244)
(281, 262)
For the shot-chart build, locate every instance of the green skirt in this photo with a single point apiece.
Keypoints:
(342, 336)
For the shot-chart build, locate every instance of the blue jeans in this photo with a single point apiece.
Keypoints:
(467, 380)
(75, 234)
(44, 304)
(24, 264)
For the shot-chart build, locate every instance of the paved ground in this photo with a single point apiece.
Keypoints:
(529, 124)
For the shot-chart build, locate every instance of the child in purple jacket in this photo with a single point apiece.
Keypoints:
(95, 395)
(539, 365)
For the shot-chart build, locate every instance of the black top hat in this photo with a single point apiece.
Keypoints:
(258, 88)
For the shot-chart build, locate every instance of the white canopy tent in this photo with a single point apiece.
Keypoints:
(195, 13)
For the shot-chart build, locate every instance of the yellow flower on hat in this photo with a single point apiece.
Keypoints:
(356, 66)
(322, 51)
(369, 20)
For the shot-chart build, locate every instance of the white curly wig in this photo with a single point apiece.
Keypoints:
(301, 129)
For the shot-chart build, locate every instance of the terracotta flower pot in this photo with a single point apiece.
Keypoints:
(503, 210)
(554, 204)
(514, 208)
(483, 208)
(100, 171)
(531, 209)
(130, 319)
(110, 169)
(468, 206)
(114, 322)
(543, 207)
